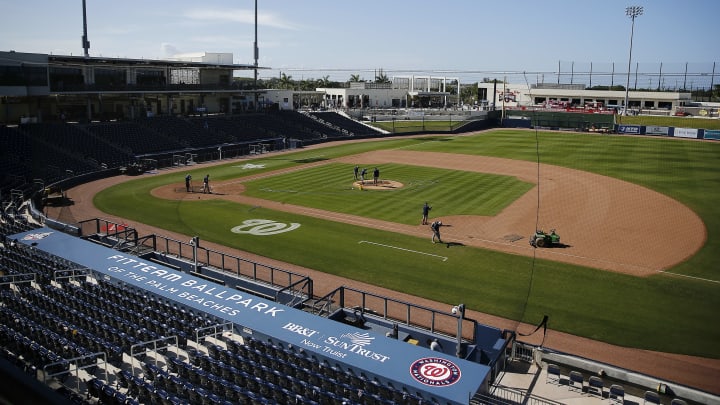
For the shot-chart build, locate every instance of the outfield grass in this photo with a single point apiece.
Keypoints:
(662, 121)
(663, 312)
(329, 187)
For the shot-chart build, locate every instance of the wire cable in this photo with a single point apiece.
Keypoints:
(537, 223)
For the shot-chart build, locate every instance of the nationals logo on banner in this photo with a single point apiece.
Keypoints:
(36, 236)
(435, 371)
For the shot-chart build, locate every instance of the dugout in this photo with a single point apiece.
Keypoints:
(417, 325)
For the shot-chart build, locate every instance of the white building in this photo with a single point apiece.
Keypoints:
(400, 92)
(576, 95)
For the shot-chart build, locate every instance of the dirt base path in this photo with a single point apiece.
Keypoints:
(589, 193)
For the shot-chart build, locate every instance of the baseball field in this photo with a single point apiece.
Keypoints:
(639, 221)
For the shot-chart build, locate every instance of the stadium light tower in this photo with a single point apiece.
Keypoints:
(85, 42)
(632, 12)
(256, 55)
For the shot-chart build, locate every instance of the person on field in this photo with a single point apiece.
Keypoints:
(206, 184)
(425, 211)
(435, 226)
(187, 182)
(362, 175)
(356, 170)
(376, 176)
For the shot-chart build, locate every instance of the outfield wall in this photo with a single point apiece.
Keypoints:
(674, 132)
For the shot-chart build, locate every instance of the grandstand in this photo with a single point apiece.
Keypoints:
(117, 304)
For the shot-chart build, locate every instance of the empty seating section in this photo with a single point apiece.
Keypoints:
(237, 128)
(11, 224)
(346, 125)
(25, 261)
(28, 157)
(55, 151)
(179, 130)
(55, 320)
(284, 124)
(312, 127)
(74, 141)
(134, 138)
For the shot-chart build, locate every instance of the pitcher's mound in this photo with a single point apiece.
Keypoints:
(381, 185)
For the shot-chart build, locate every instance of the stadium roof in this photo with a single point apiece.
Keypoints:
(93, 60)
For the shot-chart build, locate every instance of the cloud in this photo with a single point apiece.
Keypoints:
(168, 50)
(240, 16)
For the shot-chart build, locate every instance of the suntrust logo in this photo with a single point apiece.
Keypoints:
(435, 371)
(355, 343)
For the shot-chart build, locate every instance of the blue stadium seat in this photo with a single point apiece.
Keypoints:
(120, 398)
(94, 387)
(107, 395)
(124, 377)
(576, 381)
(553, 374)
(173, 364)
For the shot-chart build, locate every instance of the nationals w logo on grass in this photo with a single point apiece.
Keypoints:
(435, 371)
(264, 227)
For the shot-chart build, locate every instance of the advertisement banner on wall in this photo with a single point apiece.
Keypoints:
(712, 134)
(655, 130)
(629, 129)
(686, 133)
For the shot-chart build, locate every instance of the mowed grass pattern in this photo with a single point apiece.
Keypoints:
(684, 170)
(663, 312)
(330, 187)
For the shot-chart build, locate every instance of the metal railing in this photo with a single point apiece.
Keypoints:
(275, 277)
(213, 331)
(73, 366)
(154, 346)
(390, 309)
(507, 396)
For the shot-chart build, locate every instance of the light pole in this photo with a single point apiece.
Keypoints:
(632, 12)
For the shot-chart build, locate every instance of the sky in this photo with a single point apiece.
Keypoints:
(471, 39)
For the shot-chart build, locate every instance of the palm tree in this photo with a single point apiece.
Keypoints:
(306, 84)
(355, 78)
(381, 77)
(324, 82)
(286, 82)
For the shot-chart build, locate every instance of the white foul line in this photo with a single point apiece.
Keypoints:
(444, 258)
(685, 275)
